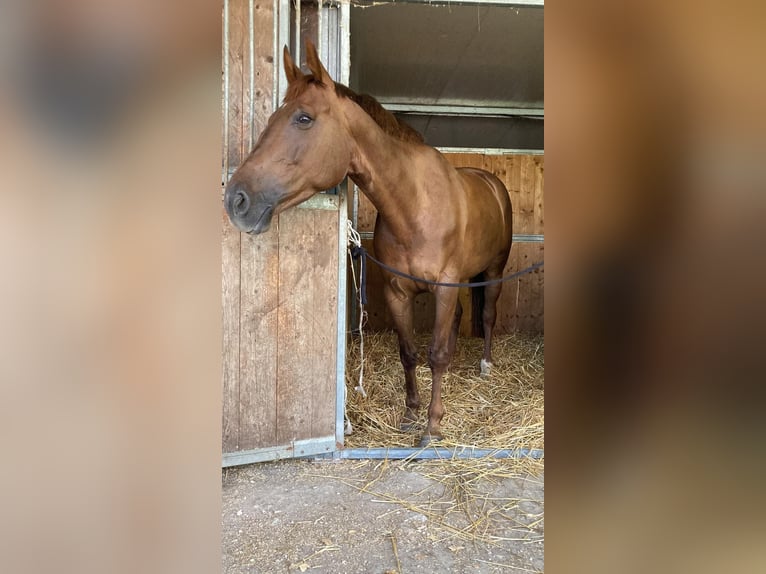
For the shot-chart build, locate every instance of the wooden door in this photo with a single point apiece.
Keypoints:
(283, 342)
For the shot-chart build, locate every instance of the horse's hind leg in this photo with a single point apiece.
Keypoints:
(489, 315)
(400, 306)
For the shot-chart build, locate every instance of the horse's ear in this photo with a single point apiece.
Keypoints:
(291, 70)
(315, 65)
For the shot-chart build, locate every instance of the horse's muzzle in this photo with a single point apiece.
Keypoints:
(249, 213)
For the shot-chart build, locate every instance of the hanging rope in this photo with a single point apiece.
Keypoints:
(354, 241)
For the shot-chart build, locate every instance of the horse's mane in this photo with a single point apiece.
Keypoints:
(388, 122)
(385, 119)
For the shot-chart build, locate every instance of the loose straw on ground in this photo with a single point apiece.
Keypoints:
(463, 501)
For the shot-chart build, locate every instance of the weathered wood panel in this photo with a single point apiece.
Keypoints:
(279, 288)
(259, 300)
(521, 304)
(259, 255)
(308, 263)
(249, 264)
(237, 134)
(230, 335)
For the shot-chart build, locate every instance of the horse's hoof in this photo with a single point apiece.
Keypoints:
(429, 440)
(486, 368)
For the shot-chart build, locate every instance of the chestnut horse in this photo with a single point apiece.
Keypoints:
(434, 222)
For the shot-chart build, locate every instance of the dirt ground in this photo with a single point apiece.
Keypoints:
(382, 517)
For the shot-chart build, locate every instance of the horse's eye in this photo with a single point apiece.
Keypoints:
(304, 120)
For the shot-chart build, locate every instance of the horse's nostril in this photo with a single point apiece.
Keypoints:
(240, 203)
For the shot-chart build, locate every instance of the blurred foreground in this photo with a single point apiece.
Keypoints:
(109, 299)
(655, 147)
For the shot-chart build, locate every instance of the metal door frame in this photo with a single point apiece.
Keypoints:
(335, 52)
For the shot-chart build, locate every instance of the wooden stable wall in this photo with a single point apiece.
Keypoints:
(279, 288)
(521, 303)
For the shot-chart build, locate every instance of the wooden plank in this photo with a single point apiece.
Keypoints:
(258, 340)
(507, 303)
(264, 66)
(325, 321)
(532, 314)
(249, 264)
(259, 254)
(230, 284)
(294, 368)
(512, 182)
(230, 240)
(525, 222)
(521, 304)
(238, 95)
(307, 321)
(536, 308)
(539, 225)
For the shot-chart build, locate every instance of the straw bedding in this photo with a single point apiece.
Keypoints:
(504, 410)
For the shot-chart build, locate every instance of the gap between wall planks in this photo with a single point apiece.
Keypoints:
(521, 304)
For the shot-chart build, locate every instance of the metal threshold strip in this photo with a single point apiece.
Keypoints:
(437, 453)
(294, 449)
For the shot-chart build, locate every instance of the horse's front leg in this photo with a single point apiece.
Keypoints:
(400, 305)
(439, 357)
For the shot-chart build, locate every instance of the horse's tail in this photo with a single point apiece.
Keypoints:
(477, 307)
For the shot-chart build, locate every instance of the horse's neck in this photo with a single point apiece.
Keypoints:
(382, 167)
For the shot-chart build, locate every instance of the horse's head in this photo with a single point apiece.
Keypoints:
(305, 148)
